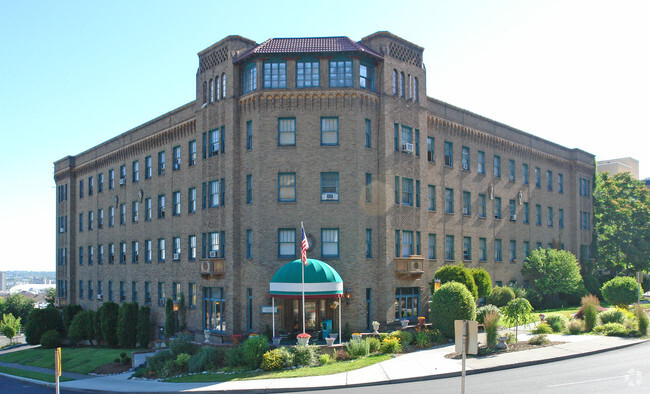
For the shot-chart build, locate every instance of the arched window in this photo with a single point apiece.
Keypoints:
(216, 89)
(416, 89)
(223, 85)
(410, 87)
(211, 90)
(395, 82)
(401, 84)
(205, 92)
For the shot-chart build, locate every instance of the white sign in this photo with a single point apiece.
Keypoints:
(269, 309)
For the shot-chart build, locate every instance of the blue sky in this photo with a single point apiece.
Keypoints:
(74, 74)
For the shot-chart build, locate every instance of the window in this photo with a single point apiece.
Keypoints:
(176, 156)
(406, 135)
(91, 183)
(176, 246)
(191, 156)
(211, 90)
(135, 208)
(482, 249)
(367, 133)
(368, 187)
(397, 195)
(135, 251)
(90, 220)
(497, 166)
(526, 213)
(467, 248)
(111, 253)
(467, 207)
(249, 189)
(100, 184)
(497, 250)
(147, 209)
(430, 150)
(560, 183)
(513, 251)
(147, 167)
(307, 74)
(176, 201)
(550, 216)
(340, 73)
(449, 201)
(538, 215)
(161, 206)
(513, 208)
(401, 85)
(407, 192)
(406, 244)
(122, 214)
(161, 163)
(432, 246)
(205, 92)
(526, 249)
(538, 178)
(275, 75)
(216, 244)
(249, 135)
(111, 179)
(122, 175)
(110, 290)
(191, 200)
(329, 131)
(407, 300)
(161, 294)
(549, 181)
(366, 77)
(161, 250)
(223, 85)
(100, 254)
(560, 218)
(330, 243)
(135, 171)
(465, 158)
(481, 162)
(81, 255)
(416, 89)
(250, 78)
(147, 292)
(511, 170)
(122, 252)
(481, 206)
(192, 295)
(287, 186)
(431, 198)
(396, 137)
(191, 244)
(449, 154)
(134, 291)
(395, 82)
(213, 194)
(329, 186)
(81, 188)
(449, 247)
(90, 289)
(287, 243)
(214, 309)
(148, 251)
(214, 137)
(249, 244)
(524, 173)
(368, 243)
(287, 131)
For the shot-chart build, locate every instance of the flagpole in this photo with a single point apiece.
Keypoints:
(302, 228)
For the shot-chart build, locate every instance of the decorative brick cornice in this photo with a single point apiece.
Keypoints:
(314, 99)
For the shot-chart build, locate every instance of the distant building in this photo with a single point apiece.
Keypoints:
(615, 166)
(3, 281)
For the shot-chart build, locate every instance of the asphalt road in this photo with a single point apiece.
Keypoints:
(618, 371)
(9, 385)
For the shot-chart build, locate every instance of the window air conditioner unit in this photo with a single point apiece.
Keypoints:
(330, 196)
(206, 266)
(491, 192)
(513, 217)
(407, 147)
(512, 178)
(465, 211)
(100, 297)
(135, 218)
(177, 256)
(213, 254)
(122, 181)
(550, 222)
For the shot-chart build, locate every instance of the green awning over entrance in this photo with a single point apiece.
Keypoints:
(321, 281)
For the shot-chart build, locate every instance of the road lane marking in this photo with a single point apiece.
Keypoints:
(588, 381)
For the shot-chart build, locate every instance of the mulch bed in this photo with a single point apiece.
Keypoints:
(513, 347)
(111, 368)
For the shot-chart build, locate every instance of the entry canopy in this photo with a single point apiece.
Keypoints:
(321, 281)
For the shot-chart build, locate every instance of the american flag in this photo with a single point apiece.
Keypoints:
(304, 245)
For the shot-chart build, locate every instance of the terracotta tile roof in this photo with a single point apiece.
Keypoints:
(307, 45)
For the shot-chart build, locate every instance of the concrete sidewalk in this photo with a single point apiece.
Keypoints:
(421, 365)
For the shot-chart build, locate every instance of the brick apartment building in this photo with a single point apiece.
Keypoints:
(208, 198)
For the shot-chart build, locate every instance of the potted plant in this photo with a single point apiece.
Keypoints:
(303, 339)
(236, 338)
(375, 326)
(356, 336)
(404, 322)
(276, 341)
(330, 341)
(206, 333)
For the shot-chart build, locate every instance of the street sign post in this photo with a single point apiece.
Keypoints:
(57, 362)
(466, 334)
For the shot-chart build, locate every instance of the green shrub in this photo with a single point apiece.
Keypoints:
(157, 362)
(557, 322)
(491, 323)
(512, 337)
(253, 349)
(482, 281)
(235, 357)
(592, 284)
(170, 318)
(324, 359)
(127, 321)
(612, 330)
(391, 345)
(405, 337)
(288, 358)
(342, 355)
(39, 321)
(451, 302)
(575, 326)
(500, 296)
(108, 313)
(382, 336)
(642, 320)
(182, 344)
(519, 291)
(305, 355)
(621, 291)
(373, 344)
(143, 328)
(482, 311)
(181, 361)
(68, 313)
(206, 358)
(357, 348)
(83, 326)
(456, 273)
(51, 339)
(428, 338)
(539, 340)
(271, 360)
(612, 315)
(542, 328)
(590, 307)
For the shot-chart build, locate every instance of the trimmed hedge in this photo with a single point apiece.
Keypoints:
(456, 273)
(41, 320)
(127, 321)
(451, 302)
(500, 296)
(143, 329)
(83, 326)
(482, 280)
(621, 291)
(108, 314)
(51, 339)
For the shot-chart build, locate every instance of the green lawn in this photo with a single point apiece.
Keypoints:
(77, 360)
(327, 369)
(32, 375)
